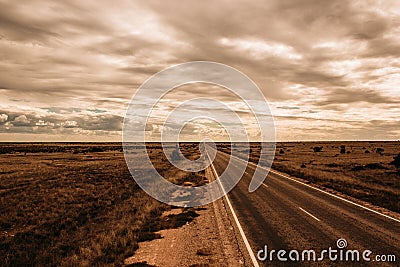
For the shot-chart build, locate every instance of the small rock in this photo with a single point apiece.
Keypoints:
(204, 252)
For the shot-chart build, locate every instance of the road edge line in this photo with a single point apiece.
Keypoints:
(316, 188)
(338, 197)
(309, 214)
(246, 242)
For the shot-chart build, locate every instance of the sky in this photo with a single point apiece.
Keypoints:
(330, 70)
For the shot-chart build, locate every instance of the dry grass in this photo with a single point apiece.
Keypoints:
(76, 205)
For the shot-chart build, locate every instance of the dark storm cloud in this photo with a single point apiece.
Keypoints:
(77, 56)
(351, 96)
(16, 26)
(101, 122)
(306, 128)
(40, 21)
(287, 107)
(298, 24)
(18, 122)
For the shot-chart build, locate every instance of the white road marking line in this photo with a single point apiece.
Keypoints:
(315, 188)
(338, 197)
(265, 185)
(309, 214)
(246, 242)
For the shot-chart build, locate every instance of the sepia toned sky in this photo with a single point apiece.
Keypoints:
(330, 70)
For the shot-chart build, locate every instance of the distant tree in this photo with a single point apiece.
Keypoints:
(374, 166)
(318, 148)
(342, 149)
(281, 151)
(379, 150)
(96, 149)
(358, 168)
(175, 155)
(396, 162)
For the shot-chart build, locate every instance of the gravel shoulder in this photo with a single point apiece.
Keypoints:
(208, 240)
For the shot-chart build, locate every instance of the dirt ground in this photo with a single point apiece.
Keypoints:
(209, 240)
(77, 204)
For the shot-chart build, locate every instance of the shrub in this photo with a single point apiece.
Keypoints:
(281, 151)
(374, 166)
(332, 165)
(358, 168)
(175, 155)
(318, 148)
(96, 149)
(367, 151)
(396, 162)
(379, 150)
(342, 149)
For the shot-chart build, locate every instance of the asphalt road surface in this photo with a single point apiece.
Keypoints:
(287, 215)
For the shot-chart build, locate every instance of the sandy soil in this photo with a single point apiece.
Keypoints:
(209, 240)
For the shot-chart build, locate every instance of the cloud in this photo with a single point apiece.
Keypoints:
(82, 61)
(3, 118)
(287, 107)
(101, 122)
(357, 95)
(50, 123)
(69, 124)
(260, 50)
(21, 120)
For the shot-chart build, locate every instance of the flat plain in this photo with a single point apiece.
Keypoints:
(77, 205)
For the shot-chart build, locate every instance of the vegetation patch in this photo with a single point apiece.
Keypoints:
(77, 205)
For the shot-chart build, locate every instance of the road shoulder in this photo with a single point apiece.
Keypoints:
(209, 239)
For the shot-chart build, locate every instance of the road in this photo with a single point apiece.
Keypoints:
(287, 215)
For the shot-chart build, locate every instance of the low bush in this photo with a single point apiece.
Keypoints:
(318, 148)
(396, 161)
(374, 166)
